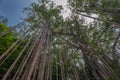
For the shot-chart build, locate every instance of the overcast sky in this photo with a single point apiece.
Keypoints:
(13, 10)
(66, 11)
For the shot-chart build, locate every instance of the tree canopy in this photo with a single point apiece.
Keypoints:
(51, 47)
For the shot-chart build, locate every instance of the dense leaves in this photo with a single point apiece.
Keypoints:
(7, 40)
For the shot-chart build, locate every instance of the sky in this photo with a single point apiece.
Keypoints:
(13, 10)
(66, 12)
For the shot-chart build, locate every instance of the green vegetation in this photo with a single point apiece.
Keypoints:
(7, 40)
(53, 48)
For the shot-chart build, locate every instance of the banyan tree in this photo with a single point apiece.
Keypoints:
(47, 46)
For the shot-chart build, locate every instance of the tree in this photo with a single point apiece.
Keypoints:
(3, 20)
(6, 40)
(69, 49)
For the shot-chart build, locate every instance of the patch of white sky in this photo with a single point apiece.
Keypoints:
(66, 11)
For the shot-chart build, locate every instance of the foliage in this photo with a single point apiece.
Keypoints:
(70, 49)
(3, 20)
(6, 40)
